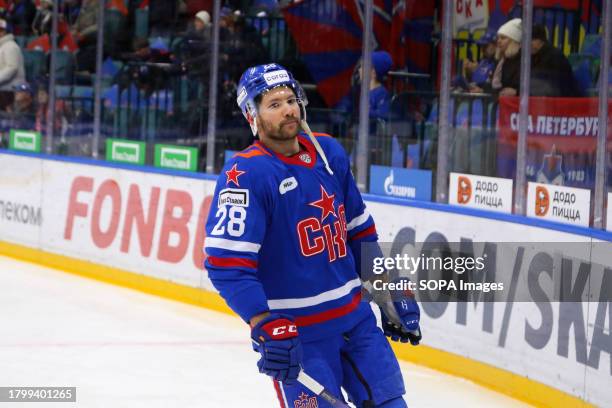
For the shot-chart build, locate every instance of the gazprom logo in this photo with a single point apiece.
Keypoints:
(175, 158)
(276, 77)
(126, 152)
(398, 191)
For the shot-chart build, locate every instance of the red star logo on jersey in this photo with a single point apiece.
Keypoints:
(233, 174)
(326, 204)
(303, 396)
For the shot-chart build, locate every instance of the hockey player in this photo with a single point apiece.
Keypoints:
(283, 245)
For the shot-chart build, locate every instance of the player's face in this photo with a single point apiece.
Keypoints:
(279, 115)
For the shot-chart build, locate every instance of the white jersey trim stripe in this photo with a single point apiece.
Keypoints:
(280, 385)
(315, 300)
(239, 246)
(357, 221)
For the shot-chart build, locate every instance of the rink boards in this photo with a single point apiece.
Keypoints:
(144, 228)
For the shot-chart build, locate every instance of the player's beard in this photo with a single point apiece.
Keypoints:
(284, 131)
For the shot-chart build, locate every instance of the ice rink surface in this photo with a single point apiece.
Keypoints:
(123, 348)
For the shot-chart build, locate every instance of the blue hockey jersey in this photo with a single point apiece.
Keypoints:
(282, 233)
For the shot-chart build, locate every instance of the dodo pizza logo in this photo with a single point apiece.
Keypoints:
(542, 201)
(464, 190)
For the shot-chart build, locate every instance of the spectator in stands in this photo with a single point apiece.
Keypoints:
(65, 41)
(551, 72)
(201, 21)
(71, 10)
(21, 14)
(198, 37)
(380, 99)
(194, 52)
(150, 65)
(85, 32)
(477, 76)
(62, 111)
(43, 18)
(12, 70)
(346, 115)
(507, 75)
(241, 44)
(23, 109)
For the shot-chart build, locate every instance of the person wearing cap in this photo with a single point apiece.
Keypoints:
(477, 76)
(195, 46)
(551, 72)
(23, 109)
(12, 70)
(483, 73)
(201, 20)
(380, 99)
(198, 37)
(507, 75)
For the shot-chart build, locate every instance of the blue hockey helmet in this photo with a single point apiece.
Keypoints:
(260, 79)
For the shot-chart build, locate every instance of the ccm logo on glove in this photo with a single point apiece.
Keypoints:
(280, 329)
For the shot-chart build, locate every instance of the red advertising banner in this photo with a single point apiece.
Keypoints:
(561, 141)
(565, 4)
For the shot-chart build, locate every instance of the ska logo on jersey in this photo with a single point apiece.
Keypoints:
(326, 204)
(233, 174)
(317, 236)
(306, 401)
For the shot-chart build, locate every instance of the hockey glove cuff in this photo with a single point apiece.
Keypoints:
(400, 320)
(276, 339)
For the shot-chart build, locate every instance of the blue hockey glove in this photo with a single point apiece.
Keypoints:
(400, 320)
(276, 339)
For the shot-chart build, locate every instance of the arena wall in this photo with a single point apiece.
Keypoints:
(144, 228)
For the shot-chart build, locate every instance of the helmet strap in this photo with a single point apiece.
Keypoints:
(252, 122)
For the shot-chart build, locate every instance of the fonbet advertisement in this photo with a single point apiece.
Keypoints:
(514, 303)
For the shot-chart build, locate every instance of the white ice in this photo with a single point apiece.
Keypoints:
(123, 348)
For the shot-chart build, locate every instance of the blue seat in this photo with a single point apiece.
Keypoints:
(584, 67)
(591, 45)
(141, 29)
(64, 66)
(35, 63)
